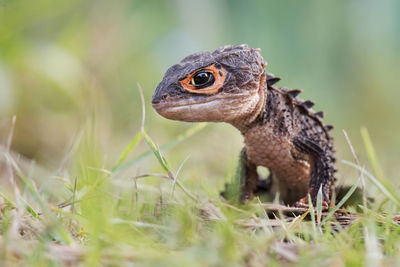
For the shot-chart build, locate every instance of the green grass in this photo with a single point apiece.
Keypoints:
(99, 214)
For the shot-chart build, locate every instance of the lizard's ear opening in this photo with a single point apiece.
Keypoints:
(205, 81)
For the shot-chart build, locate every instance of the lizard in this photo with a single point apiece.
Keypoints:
(280, 130)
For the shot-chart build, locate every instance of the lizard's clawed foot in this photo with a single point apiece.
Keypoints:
(303, 203)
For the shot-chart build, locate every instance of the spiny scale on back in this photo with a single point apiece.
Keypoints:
(281, 131)
(298, 111)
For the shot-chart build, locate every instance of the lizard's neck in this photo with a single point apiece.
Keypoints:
(244, 123)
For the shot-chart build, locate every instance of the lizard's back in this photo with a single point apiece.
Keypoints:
(283, 139)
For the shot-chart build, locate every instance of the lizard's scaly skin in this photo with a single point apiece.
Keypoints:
(280, 131)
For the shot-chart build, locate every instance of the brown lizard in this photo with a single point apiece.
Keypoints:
(280, 131)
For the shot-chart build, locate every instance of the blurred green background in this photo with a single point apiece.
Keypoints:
(63, 62)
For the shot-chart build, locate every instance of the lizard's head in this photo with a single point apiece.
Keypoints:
(225, 85)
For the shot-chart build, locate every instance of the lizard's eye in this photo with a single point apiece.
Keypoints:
(207, 81)
(202, 79)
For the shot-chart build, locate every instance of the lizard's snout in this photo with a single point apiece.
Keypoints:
(158, 96)
(155, 101)
(158, 99)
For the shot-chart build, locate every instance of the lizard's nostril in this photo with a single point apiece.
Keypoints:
(157, 99)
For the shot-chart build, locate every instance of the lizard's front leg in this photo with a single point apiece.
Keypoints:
(249, 177)
(247, 181)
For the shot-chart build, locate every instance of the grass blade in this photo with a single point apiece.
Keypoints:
(364, 189)
(319, 205)
(128, 149)
(179, 139)
(342, 201)
(312, 214)
(156, 152)
(165, 165)
(25, 181)
(386, 190)
(372, 155)
(176, 177)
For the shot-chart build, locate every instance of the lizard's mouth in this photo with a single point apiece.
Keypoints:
(180, 103)
(185, 105)
(215, 108)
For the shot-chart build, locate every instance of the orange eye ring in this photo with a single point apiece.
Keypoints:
(219, 75)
